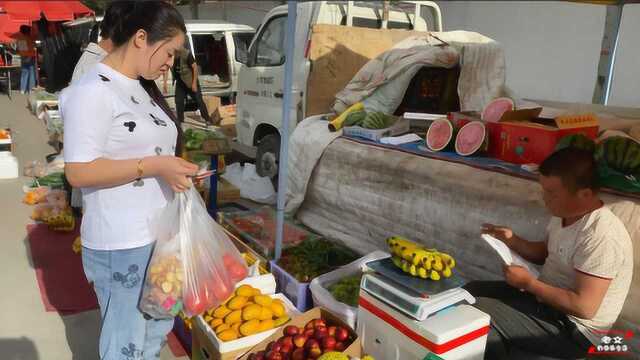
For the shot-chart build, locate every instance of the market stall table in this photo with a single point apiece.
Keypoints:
(7, 77)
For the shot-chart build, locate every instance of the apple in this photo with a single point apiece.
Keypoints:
(298, 354)
(277, 347)
(273, 355)
(328, 343)
(314, 352)
(270, 345)
(311, 343)
(332, 330)
(320, 322)
(291, 330)
(287, 340)
(286, 349)
(257, 356)
(309, 332)
(320, 333)
(299, 340)
(340, 346)
(342, 334)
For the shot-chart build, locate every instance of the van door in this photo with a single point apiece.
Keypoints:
(212, 57)
(238, 45)
(260, 91)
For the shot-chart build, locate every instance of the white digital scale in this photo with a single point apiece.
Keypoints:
(401, 317)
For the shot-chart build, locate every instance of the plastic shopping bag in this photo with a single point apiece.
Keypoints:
(194, 266)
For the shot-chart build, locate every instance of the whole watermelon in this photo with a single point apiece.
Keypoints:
(578, 141)
(620, 153)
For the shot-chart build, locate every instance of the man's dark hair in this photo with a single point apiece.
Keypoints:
(575, 167)
(112, 15)
(25, 29)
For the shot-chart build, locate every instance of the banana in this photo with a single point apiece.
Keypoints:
(426, 263)
(449, 261)
(396, 261)
(434, 275)
(405, 266)
(413, 270)
(437, 264)
(446, 272)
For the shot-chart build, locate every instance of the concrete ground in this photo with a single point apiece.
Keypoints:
(27, 331)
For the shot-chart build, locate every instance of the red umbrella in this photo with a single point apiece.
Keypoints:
(53, 10)
(10, 26)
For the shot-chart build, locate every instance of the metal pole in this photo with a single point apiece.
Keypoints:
(607, 54)
(284, 131)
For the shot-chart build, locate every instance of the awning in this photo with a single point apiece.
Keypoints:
(9, 26)
(54, 10)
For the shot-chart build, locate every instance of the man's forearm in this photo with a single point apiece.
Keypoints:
(564, 300)
(534, 251)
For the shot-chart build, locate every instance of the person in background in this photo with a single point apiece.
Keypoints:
(26, 48)
(185, 76)
(120, 149)
(95, 52)
(588, 265)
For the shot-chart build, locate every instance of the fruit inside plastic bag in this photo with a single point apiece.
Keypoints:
(194, 266)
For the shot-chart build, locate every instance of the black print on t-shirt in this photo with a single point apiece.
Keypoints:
(157, 121)
(134, 100)
(104, 78)
(152, 102)
(130, 125)
(158, 150)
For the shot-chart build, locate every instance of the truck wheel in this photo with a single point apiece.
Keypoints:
(268, 155)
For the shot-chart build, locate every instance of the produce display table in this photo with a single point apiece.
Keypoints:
(362, 194)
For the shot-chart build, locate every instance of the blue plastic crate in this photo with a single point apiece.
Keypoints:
(296, 291)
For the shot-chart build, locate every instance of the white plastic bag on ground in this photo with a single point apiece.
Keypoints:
(194, 266)
(251, 185)
(322, 297)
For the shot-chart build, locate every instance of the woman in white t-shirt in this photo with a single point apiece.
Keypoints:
(120, 143)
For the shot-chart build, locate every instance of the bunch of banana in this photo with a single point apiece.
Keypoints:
(419, 261)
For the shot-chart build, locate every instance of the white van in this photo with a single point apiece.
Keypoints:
(219, 48)
(261, 78)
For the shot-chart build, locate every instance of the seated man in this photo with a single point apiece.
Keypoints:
(588, 265)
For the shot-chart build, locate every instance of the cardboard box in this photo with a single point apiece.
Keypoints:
(210, 347)
(354, 349)
(523, 137)
(228, 127)
(227, 192)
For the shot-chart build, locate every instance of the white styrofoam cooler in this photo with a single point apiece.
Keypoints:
(8, 166)
(459, 332)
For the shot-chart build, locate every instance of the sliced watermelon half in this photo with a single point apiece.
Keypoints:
(471, 138)
(496, 108)
(439, 134)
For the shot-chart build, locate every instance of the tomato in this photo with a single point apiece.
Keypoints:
(195, 304)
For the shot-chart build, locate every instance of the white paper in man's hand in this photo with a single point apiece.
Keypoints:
(509, 257)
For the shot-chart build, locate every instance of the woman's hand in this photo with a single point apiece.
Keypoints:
(174, 170)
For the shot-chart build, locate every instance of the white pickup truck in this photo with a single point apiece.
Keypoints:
(261, 77)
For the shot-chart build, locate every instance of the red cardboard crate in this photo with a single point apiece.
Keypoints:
(522, 137)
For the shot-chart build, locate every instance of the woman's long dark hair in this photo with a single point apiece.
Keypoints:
(161, 21)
